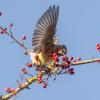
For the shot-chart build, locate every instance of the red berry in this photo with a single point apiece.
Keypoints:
(79, 58)
(56, 57)
(24, 71)
(4, 29)
(1, 32)
(23, 37)
(9, 90)
(44, 84)
(11, 24)
(67, 64)
(74, 60)
(29, 65)
(98, 47)
(71, 71)
(39, 75)
(71, 58)
(39, 80)
(54, 54)
(64, 58)
(98, 61)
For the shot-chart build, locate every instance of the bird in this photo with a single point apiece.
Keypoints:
(44, 40)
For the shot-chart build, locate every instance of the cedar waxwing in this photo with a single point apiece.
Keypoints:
(44, 41)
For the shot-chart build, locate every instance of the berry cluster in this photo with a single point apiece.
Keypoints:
(55, 57)
(41, 81)
(3, 30)
(98, 47)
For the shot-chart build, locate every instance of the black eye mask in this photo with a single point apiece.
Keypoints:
(64, 49)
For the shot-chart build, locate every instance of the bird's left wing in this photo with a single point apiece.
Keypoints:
(45, 29)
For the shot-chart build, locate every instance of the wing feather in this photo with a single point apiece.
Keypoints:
(45, 29)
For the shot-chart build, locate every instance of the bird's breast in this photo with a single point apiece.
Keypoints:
(44, 58)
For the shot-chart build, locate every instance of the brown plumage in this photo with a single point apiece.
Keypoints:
(45, 30)
(43, 37)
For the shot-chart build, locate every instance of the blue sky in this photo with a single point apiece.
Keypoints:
(78, 28)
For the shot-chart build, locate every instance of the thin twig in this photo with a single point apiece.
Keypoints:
(85, 61)
(10, 34)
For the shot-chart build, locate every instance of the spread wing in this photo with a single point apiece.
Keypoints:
(45, 29)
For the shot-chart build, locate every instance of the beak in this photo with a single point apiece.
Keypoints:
(64, 50)
(63, 54)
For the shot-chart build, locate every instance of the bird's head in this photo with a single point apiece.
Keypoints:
(62, 50)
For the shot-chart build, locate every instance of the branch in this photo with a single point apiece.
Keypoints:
(85, 61)
(10, 34)
(30, 80)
